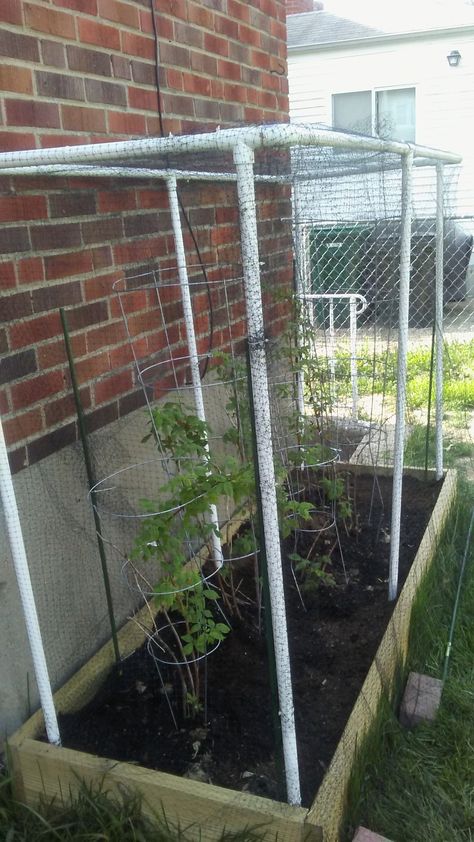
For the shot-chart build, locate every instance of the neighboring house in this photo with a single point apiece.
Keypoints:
(411, 80)
(87, 71)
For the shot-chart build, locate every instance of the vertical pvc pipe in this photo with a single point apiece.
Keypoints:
(439, 317)
(404, 299)
(353, 334)
(190, 333)
(244, 157)
(332, 356)
(17, 548)
(301, 288)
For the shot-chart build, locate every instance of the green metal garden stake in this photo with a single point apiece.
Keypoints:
(90, 478)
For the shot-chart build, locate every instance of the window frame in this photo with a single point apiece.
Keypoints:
(373, 103)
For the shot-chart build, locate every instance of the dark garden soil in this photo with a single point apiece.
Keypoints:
(333, 640)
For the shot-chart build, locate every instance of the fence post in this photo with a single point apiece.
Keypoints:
(244, 158)
(171, 184)
(404, 300)
(439, 316)
(20, 562)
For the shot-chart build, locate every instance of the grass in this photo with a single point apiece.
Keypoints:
(452, 450)
(95, 816)
(418, 785)
(377, 374)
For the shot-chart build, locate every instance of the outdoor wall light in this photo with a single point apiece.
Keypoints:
(454, 58)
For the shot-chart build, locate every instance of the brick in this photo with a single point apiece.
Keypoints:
(53, 354)
(47, 140)
(7, 275)
(227, 27)
(14, 208)
(190, 35)
(421, 699)
(16, 306)
(215, 44)
(109, 334)
(30, 270)
(174, 78)
(198, 85)
(48, 20)
(176, 8)
(3, 342)
(51, 443)
(23, 426)
(54, 236)
(175, 55)
(121, 67)
(120, 200)
(86, 7)
(36, 389)
(229, 70)
(111, 387)
(119, 12)
(102, 230)
(88, 314)
(140, 224)
(207, 109)
(102, 287)
(101, 417)
(12, 141)
(239, 10)
(121, 122)
(72, 204)
(53, 54)
(130, 402)
(79, 119)
(59, 295)
(102, 35)
(101, 258)
(63, 408)
(22, 112)
(59, 86)
(136, 251)
(22, 47)
(92, 367)
(146, 21)
(65, 265)
(364, 835)
(11, 12)
(34, 330)
(200, 16)
(106, 92)
(88, 61)
(18, 459)
(204, 64)
(138, 45)
(17, 79)
(16, 366)
(143, 100)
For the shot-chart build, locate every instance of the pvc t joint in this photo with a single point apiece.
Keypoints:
(243, 154)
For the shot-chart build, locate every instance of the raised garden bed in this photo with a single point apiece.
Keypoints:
(322, 684)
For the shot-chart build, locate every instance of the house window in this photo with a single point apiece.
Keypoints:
(386, 113)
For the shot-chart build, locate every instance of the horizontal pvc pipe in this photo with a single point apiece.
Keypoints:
(256, 137)
(17, 548)
(89, 171)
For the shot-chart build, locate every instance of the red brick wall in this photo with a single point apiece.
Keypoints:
(85, 70)
(294, 7)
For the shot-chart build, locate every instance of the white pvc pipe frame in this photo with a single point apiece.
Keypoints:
(17, 547)
(242, 142)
